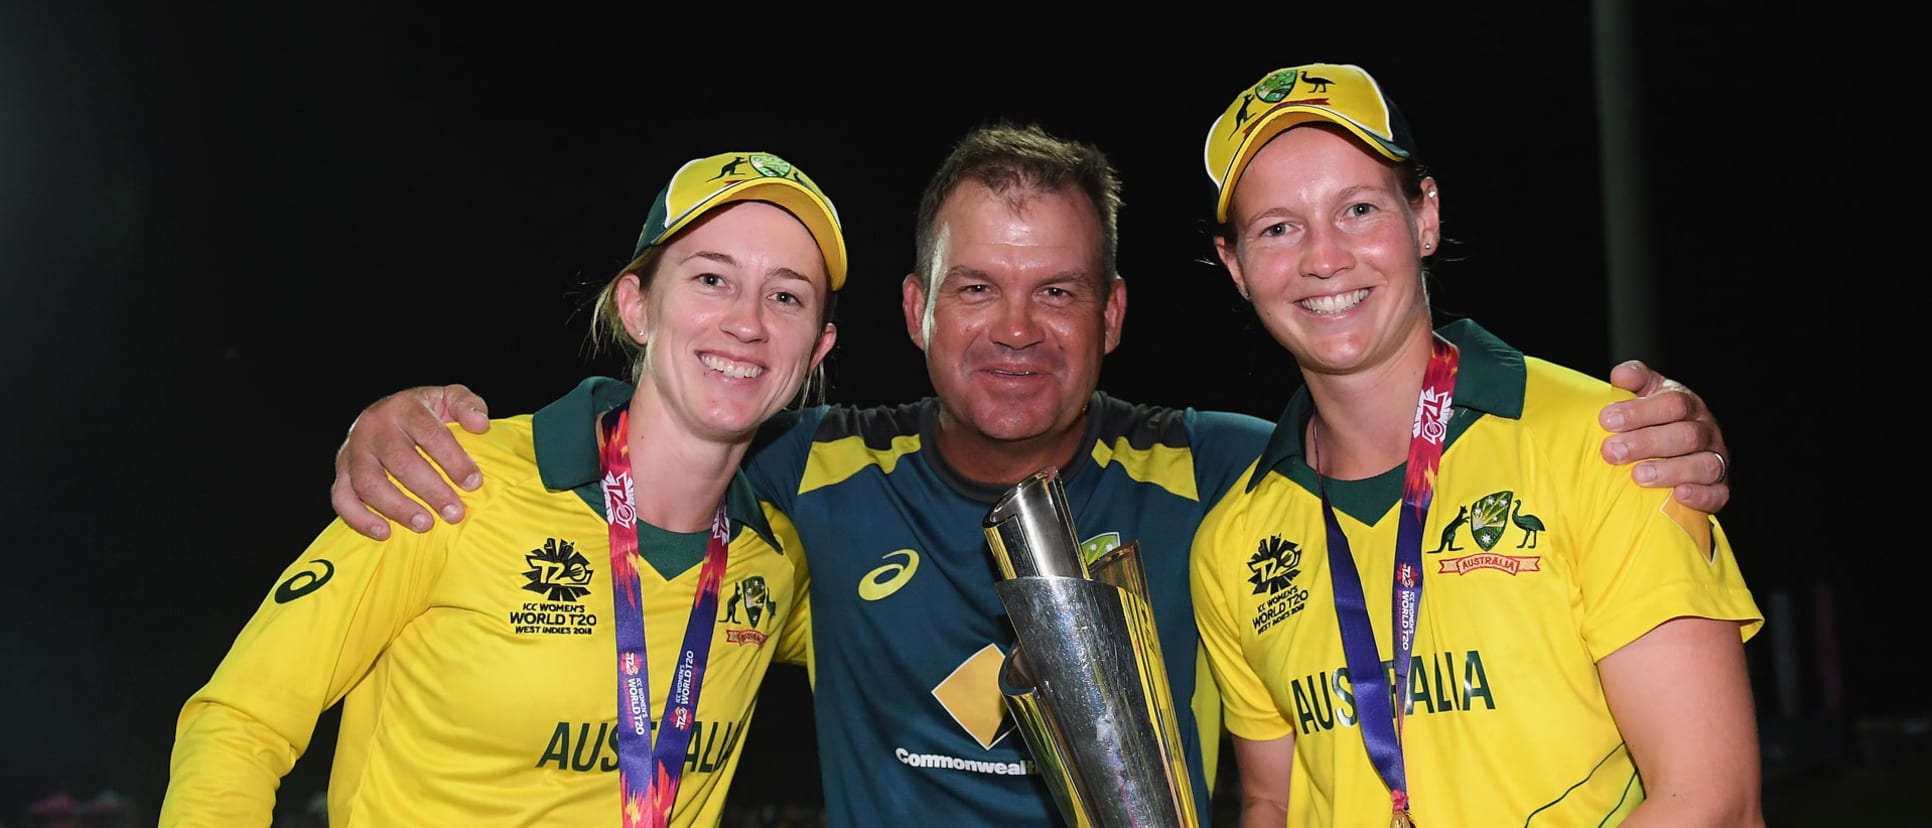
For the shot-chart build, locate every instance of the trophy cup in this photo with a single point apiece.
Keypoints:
(1085, 681)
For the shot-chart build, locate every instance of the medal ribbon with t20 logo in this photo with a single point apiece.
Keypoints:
(649, 770)
(1381, 726)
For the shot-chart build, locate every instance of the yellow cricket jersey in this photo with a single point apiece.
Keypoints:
(1539, 559)
(476, 663)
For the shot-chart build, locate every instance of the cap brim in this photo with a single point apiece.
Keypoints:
(805, 205)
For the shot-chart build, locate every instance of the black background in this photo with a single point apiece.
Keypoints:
(225, 229)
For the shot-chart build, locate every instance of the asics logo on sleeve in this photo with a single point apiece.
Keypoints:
(304, 582)
(887, 579)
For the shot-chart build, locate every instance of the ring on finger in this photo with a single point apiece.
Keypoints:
(1723, 467)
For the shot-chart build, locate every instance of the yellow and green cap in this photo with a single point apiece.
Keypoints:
(1338, 93)
(704, 184)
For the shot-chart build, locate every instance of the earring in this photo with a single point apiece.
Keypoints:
(1428, 246)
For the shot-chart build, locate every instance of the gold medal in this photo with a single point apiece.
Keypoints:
(1401, 820)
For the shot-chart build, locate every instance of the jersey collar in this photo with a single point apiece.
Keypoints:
(1489, 380)
(565, 434)
(990, 493)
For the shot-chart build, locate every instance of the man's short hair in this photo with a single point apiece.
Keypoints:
(1016, 162)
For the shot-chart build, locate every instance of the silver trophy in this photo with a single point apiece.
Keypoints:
(1085, 681)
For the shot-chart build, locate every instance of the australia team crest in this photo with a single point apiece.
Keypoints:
(1491, 519)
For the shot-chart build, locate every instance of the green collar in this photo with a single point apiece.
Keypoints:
(1489, 380)
(565, 434)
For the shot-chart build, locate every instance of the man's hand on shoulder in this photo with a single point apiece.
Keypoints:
(1670, 430)
(384, 442)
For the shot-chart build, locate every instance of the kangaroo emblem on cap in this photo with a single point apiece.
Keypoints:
(730, 168)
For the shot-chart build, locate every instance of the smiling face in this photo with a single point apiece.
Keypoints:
(733, 316)
(1324, 242)
(1019, 317)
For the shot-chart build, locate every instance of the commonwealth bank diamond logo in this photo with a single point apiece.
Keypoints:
(971, 695)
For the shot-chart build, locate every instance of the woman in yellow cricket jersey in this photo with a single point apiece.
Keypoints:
(586, 648)
(1432, 604)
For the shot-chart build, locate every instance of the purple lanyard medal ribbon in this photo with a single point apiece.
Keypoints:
(648, 771)
(1379, 715)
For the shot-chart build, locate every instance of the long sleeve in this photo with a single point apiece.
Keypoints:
(316, 635)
